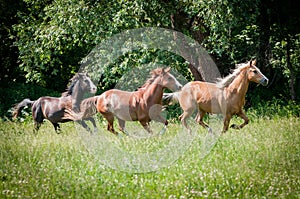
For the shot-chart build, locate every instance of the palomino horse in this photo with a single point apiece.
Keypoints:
(52, 108)
(142, 105)
(226, 97)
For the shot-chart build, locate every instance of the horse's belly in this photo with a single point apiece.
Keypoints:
(55, 116)
(125, 117)
(213, 106)
(124, 114)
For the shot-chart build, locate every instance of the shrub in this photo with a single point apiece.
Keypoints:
(16, 92)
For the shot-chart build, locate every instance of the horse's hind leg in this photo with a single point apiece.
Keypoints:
(56, 127)
(199, 119)
(110, 119)
(184, 116)
(37, 116)
(37, 126)
(242, 115)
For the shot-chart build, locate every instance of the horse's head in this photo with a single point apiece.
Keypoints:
(255, 75)
(86, 83)
(168, 80)
(80, 83)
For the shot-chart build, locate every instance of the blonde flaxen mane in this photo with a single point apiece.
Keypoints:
(226, 81)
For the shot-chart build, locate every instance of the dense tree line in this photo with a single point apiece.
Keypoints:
(42, 42)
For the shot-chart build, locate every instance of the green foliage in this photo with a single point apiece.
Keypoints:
(229, 25)
(141, 61)
(18, 92)
(56, 39)
(56, 36)
(279, 60)
(275, 108)
(51, 38)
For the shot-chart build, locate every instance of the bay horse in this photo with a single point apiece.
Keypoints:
(142, 105)
(226, 96)
(52, 108)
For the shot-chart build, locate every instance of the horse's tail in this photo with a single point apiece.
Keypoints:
(87, 109)
(20, 106)
(169, 98)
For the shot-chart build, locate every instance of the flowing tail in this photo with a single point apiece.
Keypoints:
(88, 108)
(170, 98)
(20, 106)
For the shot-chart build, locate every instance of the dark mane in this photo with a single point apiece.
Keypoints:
(154, 74)
(72, 83)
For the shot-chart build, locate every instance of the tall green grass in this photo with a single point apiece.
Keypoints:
(261, 160)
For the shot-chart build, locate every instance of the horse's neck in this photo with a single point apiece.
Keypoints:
(154, 92)
(77, 96)
(239, 85)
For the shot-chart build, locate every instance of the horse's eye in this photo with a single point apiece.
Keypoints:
(255, 71)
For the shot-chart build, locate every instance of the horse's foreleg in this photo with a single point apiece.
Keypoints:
(226, 122)
(84, 125)
(242, 115)
(122, 126)
(92, 120)
(146, 126)
(161, 119)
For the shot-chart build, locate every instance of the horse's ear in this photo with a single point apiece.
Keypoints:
(159, 71)
(253, 62)
(75, 77)
(167, 69)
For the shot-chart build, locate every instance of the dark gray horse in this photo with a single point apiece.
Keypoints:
(52, 108)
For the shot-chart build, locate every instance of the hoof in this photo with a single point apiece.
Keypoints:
(125, 132)
(163, 130)
(95, 131)
(234, 126)
(209, 130)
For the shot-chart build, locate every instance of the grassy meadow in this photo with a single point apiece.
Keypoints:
(261, 160)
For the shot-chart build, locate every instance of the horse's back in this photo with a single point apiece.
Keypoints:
(200, 90)
(51, 108)
(203, 95)
(122, 104)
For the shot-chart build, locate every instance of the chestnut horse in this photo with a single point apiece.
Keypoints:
(52, 108)
(226, 97)
(142, 105)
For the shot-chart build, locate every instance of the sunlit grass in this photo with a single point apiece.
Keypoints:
(261, 160)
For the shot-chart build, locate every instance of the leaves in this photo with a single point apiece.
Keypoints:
(53, 37)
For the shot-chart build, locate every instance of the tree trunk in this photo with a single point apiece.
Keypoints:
(199, 64)
(291, 70)
(264, 51)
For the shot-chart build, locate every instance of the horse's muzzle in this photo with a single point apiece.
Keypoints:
(93, 90)
(264, 81)
(179, 87)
